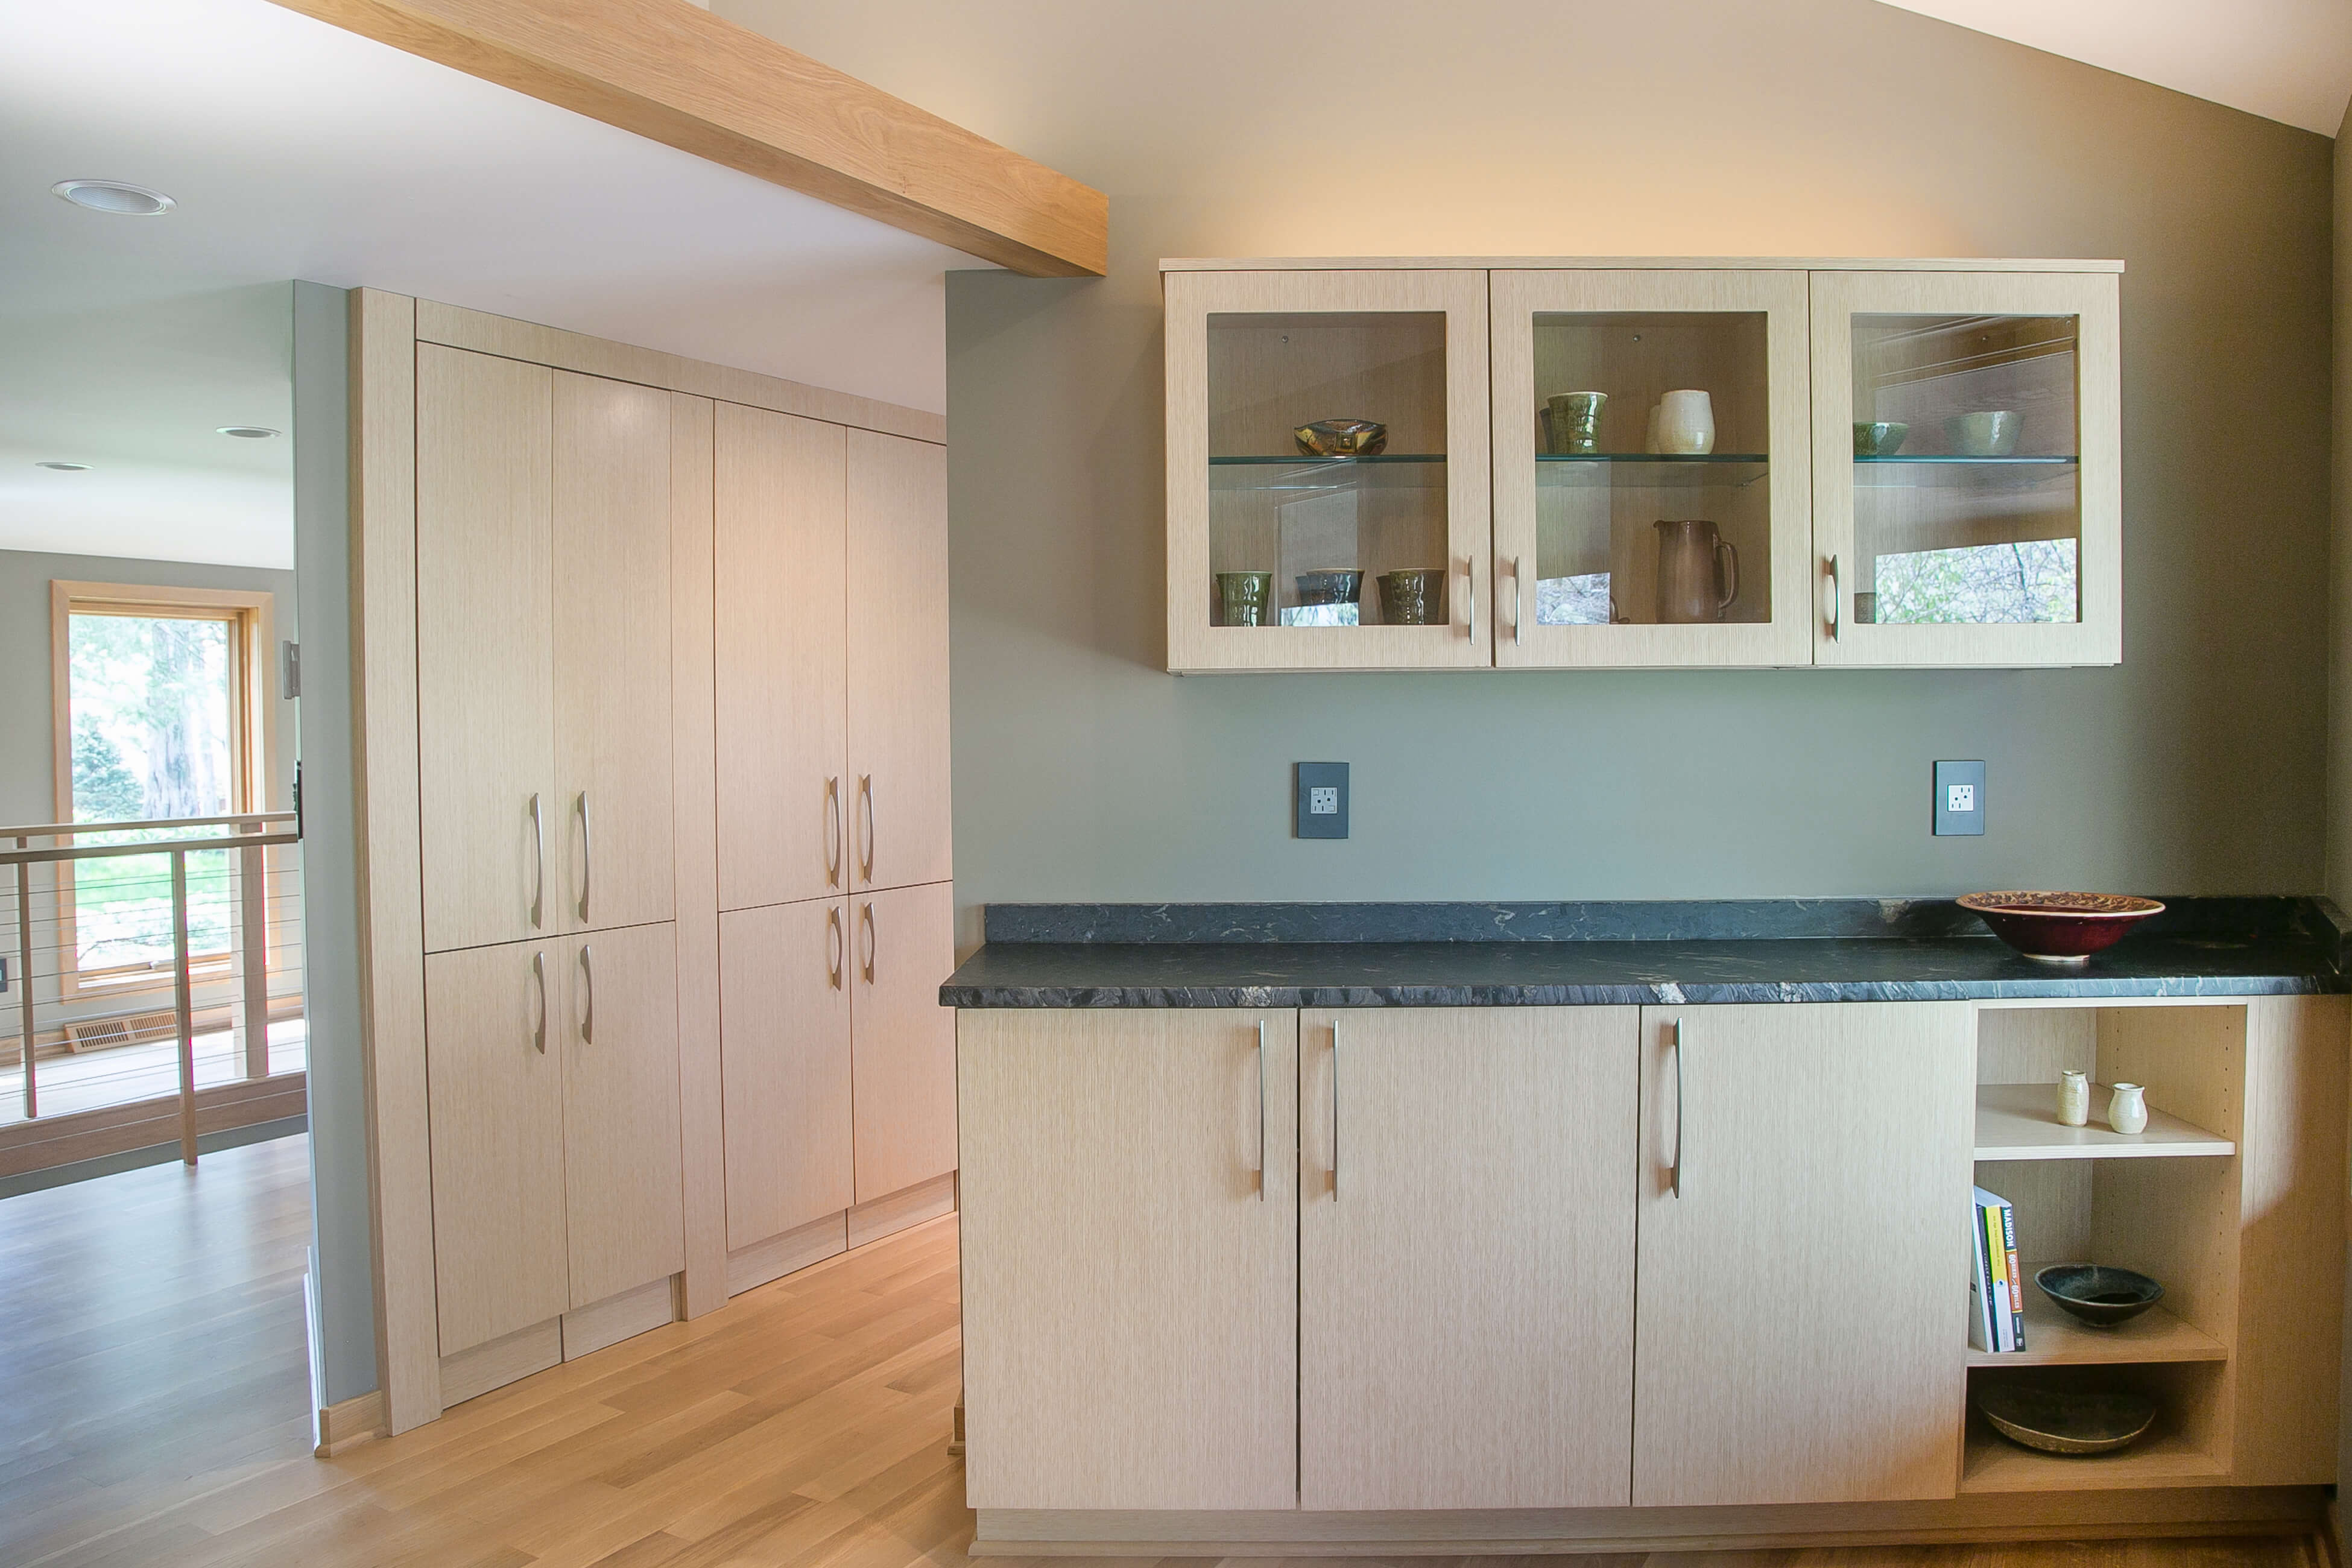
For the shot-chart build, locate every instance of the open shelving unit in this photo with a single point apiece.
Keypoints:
(2163, 1201)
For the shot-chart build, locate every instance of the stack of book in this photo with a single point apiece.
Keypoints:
(1996, 1284)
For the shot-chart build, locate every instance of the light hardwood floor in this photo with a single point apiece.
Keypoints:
(153, 1411)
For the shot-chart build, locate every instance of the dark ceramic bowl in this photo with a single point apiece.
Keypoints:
(2060, 928)
(2059, 1419)
(1879, 438)
(2099, 1297)
(1335, 585)
(1342, 439)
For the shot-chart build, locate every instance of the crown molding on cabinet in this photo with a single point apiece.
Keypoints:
(1644, 263)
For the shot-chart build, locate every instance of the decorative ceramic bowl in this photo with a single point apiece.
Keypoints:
(1333, 585)
(2099, 1297)
(2057, 1419)
(1991, 434)
(1879, 438)
(2060, 928)
(1342, 439)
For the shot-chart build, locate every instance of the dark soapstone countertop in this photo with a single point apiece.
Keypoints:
(1369, 956)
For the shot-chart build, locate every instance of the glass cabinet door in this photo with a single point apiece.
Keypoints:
(1327, 499)
(1651, 468)
(1967, 490)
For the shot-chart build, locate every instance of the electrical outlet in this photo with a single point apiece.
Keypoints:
(1960, 802)
(1322, 801)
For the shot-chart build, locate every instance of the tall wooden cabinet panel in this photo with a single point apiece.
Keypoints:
(611, 642)
(784, 1005)
(487, 812)
(1803, 1305)
(898, 661)
(1466, 1257)
(781, 617)
(622, 1156)
(1130, 1280)
(494, 1063)
(902, 1041)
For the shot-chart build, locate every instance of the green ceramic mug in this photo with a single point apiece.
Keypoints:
(1242, 597)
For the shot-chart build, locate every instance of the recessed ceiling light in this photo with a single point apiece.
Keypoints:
(65, 467)
(249, 432)
(114, 196)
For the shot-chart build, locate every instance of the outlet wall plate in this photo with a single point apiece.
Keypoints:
(1322, 805)
(1959, 800)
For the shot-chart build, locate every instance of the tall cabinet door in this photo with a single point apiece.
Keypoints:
(1465, 1258)
(902, 1041)
(494, 1070)
(622, 1164)
(1803, 1271)
(612, 607)
(783, 1030)
(487, 812)
(1130, 1264)
(779, 492)
(898, 661)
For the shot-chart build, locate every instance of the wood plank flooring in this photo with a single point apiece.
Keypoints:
(153, 1411)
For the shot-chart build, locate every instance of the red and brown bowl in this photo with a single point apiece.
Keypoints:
(2060, 928)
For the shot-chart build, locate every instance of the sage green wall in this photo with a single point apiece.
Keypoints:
(1592, 127)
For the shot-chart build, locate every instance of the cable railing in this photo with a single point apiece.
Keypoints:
(106, 916)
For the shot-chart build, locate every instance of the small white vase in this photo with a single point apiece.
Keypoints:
(2074, 1099)
(1686, 423)
(2127, 1110)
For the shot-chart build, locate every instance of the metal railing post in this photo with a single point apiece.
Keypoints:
(252, 956)
(183, 1006)
(25, 977)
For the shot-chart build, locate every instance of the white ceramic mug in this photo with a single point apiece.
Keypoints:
(2127, 1111)
(1686, 423)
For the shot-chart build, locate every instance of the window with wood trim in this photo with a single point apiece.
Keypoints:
(161, 714)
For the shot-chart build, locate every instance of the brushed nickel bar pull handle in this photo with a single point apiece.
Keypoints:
(1261, 1110)
(1470, 593)
(1335, 1110)
(587, 856)
(865, 804)
(588, 1013)
(835, 947)
(1519, 601)
(539, 860)
(1837, 603)
(1678, 1109)
(833, 853)
(872, 944)
(538, 1030)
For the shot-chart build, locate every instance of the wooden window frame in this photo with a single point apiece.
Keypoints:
(251, 616)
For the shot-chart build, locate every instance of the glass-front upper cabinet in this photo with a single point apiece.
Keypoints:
(1327, 497)
(1652, 455)
(1968, 486)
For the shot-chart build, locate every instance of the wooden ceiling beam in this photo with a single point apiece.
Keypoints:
(676, 74)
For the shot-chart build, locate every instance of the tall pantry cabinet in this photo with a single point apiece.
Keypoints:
(682, 845)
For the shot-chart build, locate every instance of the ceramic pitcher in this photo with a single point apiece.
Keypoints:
(1698, 572)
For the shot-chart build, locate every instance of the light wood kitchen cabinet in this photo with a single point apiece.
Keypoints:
(1129, 1243)
(1466, 1255)
(612, 638)
(622, 1162)
(780, 615)
(487, 795)
(784, 1020)
(494, 1058)
(902, 1042)
(1802, 1302)
(897, 665)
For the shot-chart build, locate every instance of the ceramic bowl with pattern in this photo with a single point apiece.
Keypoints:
(2060, 928)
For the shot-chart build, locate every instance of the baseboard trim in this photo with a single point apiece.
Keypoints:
(478, 1369)
(789, 1252)
(909, 1206)
(624, 1315)
(2055, 1516)
(348, 1423)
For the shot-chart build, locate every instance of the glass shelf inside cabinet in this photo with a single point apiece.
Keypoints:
(1967, 475)
(1627, 534)
(1301, 541)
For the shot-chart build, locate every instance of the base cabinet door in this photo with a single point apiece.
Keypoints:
(1803, 1268)
(494, 1068)
(783, 1030)
(1466, 1257)
(623, 1167)
(902, 1042)
(1130, 1229)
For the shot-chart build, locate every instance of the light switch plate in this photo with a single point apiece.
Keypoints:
(1960, 798)
(1322, 801)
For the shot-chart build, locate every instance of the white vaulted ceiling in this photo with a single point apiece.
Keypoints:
(2289, 60)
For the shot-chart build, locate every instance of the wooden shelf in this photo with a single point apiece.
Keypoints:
(1994, 1464)
(2020, 1122)
(2054, 1339)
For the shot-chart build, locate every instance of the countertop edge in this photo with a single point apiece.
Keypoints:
(1697, 993)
